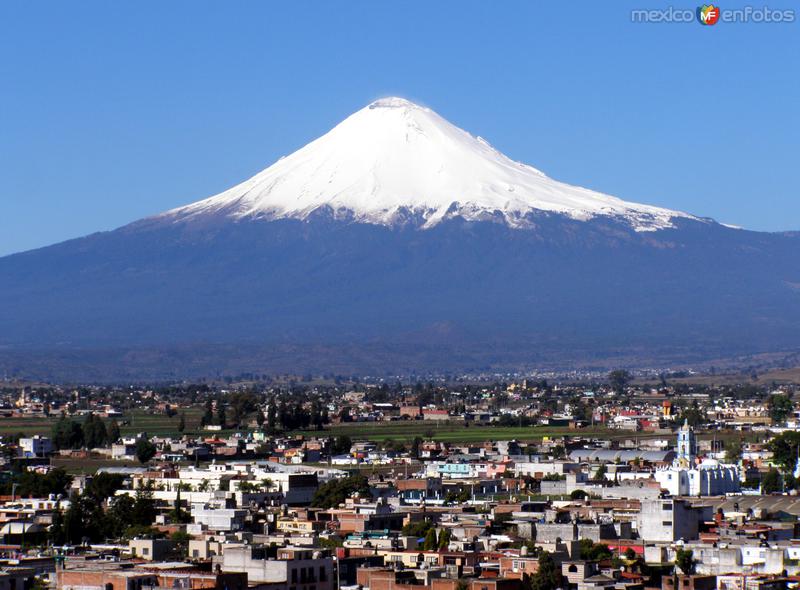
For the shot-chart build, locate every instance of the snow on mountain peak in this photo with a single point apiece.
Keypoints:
(393, 102)
(394, 159)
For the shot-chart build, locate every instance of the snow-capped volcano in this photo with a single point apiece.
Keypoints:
(395, 160)
(352, 256)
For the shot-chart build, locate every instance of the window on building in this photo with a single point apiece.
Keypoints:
(294, 576)
(323, 575)
(666, 523)
(667, 506)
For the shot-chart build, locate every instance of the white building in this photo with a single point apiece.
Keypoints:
(35, 446)
(688, 478)
(217, 518)
(297, 568)
(667, 520)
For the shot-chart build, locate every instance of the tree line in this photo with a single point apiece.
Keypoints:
(68, 433)
(99, 514)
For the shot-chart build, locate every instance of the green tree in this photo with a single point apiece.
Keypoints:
(145, 450)
(342, 444)
(30, 483)
(181, 540)
(120, 515)
(103, 486)
(113, 431)
(784, 449)
(780, 406)
(619, 379)
(82, 520)
(330, 542)
(548, 576)
(417, 529)
(249, 488)
(336, 491)
(444, 540)
(693, 415)
(182, 422)
(771, 482)
(143, 511)
(56, 533)
(600, 474)
(178, 515)
(208, 415)
(67, 434)
(74, 522)
(221, 416)
(591, 551)
(272, 416)
(415, 447)
(94, 432)
(684, 560)
(733, 451)
(430, 543)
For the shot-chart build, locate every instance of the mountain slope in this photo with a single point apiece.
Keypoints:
(283, 274)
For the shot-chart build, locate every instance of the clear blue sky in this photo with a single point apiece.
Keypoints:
(111, 111)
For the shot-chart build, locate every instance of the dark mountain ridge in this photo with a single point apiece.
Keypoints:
(595, 286)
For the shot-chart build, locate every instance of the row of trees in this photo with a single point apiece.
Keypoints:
(233, 409)
(90, 516)
(91, 433)
(425, 529)
(38, 485)
(547, 576)
(295, 416)
(336, 491)
(434, 543)
(780, 407)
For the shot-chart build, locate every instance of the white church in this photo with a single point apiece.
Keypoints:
(687, 477)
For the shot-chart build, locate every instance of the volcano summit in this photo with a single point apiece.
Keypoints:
(393, 161)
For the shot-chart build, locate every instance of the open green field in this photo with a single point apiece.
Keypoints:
(404, 431)
(26, 426)
(137, 421)
(89, 465)
(160, 424)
